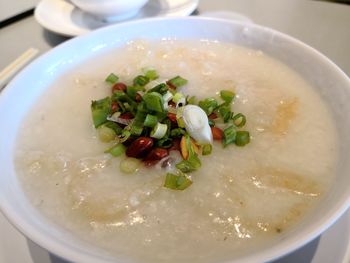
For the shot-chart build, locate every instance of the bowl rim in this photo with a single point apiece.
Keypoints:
(66, 251)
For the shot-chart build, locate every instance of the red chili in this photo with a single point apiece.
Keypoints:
(217, 133)
(172, 117)
(119, 86)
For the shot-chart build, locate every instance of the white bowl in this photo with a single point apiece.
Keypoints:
(331, 83)
(111, 10)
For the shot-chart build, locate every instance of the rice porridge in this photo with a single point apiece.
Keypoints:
(241, 198)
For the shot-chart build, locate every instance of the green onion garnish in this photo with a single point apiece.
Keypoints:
(114, 126)
(140, 80)
(132, 91)
(225, 113)
(161, 88)
(116, 150)
(112, 78)
(154, 101)
(227, 96)
(242, 138)
(229, 135)
(100, 110)
(165, 143)
(150, 121)
(159, 130)
(191, 100)
(167, 96)
(105, 133)
(185, 166)
(177, 132)
(239, 120)
(177, 81)
(124, 100)
(129, 165)
(124, 136)
(208, 105)
(206, 149)
(177, 97)
(151, 74)
(177, 182)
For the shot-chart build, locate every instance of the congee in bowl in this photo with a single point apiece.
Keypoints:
(270, 157)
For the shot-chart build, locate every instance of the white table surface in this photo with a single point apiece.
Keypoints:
(324, 26)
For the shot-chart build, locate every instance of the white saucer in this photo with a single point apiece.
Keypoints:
(62, 17)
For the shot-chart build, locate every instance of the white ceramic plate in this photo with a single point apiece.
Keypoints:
(62, 17)
(332, 83)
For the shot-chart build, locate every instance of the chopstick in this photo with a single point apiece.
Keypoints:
(7, 73)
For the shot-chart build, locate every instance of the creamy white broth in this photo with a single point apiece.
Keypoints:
(241, 197)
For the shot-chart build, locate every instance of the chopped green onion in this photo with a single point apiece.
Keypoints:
(177, 97)
(161, 115)
(121, 97)
(129, 165)
(167, 96)
(242, 138)
(191, 100)
(114, 126)
(177, 132)
(154, 101)
(181, 103)
(225, 113)
(161, 88)
(137, 123)
(206, 149)
(185, 166)
(159, 130)
(100, 110)
(112, 78)
(124, 136)
(178, 81)
(239, 120)
(116, 150)
(151, 74)
(132, 91)
(136, 130)
(227, 96)
(106, 134)
(140, 80)
(177, 182)
(229, 135)
(150, 121)
(167, 122)
(208, 105)
(165, 143)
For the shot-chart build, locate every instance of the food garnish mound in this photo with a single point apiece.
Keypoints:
(146, 124)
